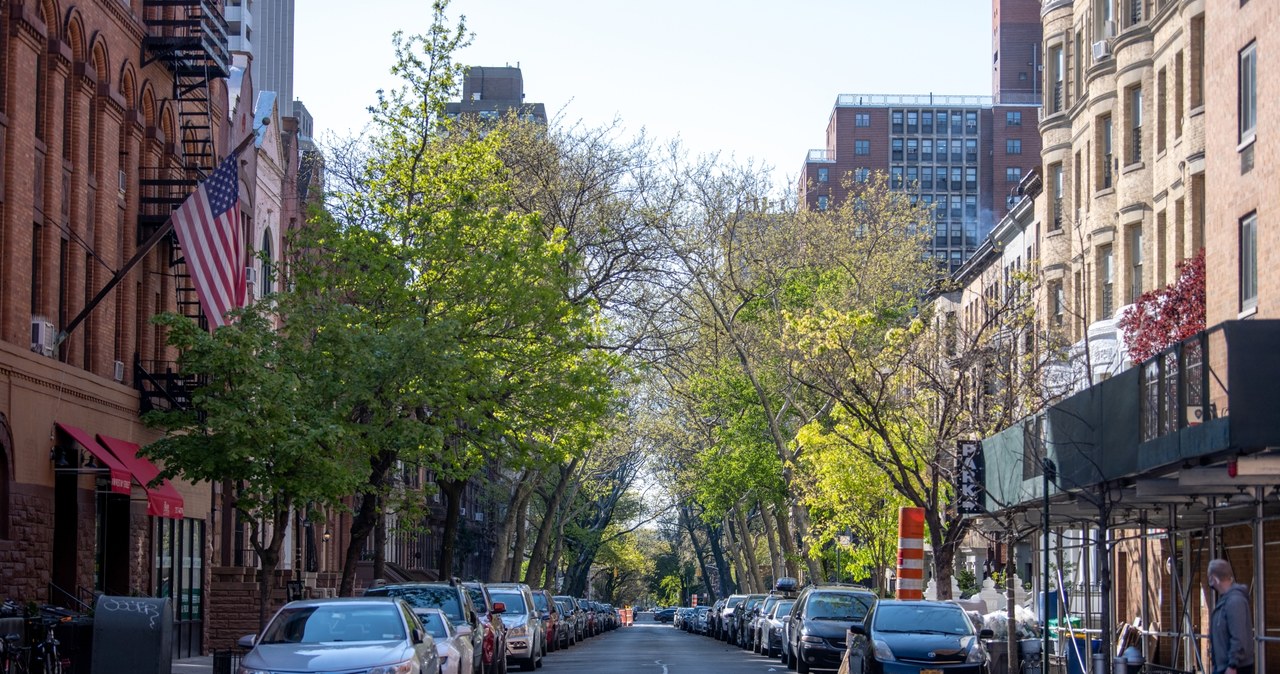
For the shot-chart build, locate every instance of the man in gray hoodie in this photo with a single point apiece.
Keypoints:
(1231, 641)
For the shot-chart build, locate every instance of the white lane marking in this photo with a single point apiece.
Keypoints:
(664, 667)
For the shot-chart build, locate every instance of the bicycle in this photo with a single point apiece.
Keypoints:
(44, 658)
(11, 661)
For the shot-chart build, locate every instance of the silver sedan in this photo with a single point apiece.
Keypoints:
(377, 635)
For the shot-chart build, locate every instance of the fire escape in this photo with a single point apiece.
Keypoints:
(190, 38)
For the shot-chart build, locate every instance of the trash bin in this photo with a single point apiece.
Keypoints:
(1080, 652)
(998, 649)
(75, 644)
(1031, 661)
(132, 634)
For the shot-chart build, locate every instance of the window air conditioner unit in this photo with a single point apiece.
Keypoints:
(1108, 29)
(1101, 50)
(251, 281)
(118, 372)
(42, 336)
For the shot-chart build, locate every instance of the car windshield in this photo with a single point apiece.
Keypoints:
(735, 602)
(435, 624)
(540, 601)
(339, 622)
(922, 618)
(782, 608)
(837, 606)
(426, 596)
(477, 598)
(513, 600)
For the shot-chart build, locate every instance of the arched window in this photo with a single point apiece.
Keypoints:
(268, 266)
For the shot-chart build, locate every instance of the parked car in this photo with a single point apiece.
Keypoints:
(454, 649)
(700, 619)
(556, 628)
(579, 616)
(771, 630)
(742, 616)
(817, 625)
(569, 618)
(665, 615)
(451, 597)
(714, 619)
(916, 636)
(340, 635)
(728, 630)
(493, 654)
(755, 625)
(525, 637)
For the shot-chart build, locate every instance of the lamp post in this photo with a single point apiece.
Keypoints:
(1050, 474)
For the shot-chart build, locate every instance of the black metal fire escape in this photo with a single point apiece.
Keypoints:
(190, 38)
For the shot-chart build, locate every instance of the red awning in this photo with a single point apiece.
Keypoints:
(162, 500)
(119, 474)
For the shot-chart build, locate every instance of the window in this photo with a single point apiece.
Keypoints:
(1013, 118)
(1162, 245)
(970, 208)
(1197, 61)
(956, 178)
(41, 93)
(862, 175)
(862, 147)
(1013, 174)
(1057, 65)
(1058, 299)
(1248, 92)
(895, 177)
(862, 119)
(896, 117)
(926, 149)
(913, 177)
(1162, 106)
(1013, 146)
(1178, 76)
(971, 178)
(913, 122)
(971, 122)
(926, 180)
(926, 122)
(1104, 154)
(1135, 264)
(957, 124)
(822, 203)
(822, 175)
(942, 121)
(267, 280)
(913, 149)
(942, 149)
(1106, 277)
(1249, 262)
(971, 150)
(1135, 124)
(1055, 193)
(37, 270)
(897, 149)
(941, 174)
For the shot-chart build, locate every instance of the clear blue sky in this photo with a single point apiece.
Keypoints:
(753, 78)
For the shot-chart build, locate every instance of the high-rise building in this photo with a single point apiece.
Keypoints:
(264, 29)
(963, 155)
(490, 92)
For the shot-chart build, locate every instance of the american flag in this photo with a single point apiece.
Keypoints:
(208, 229)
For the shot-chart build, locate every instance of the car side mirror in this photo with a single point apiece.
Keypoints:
(986, 634)
(246, 642)
(858, 628)
(464, 630)
(499, 607)
(418, 635)
(546, 615)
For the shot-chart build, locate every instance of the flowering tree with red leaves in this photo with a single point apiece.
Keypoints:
(1167, 315)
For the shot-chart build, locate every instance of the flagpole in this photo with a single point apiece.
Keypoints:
(143, 250)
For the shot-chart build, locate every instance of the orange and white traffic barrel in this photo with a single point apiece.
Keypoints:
(911, 553)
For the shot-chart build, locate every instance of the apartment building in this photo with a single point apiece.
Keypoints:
(489, 92)
(963, 156)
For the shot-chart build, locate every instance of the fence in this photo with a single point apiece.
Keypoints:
(226, 662)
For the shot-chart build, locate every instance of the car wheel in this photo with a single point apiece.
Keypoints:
(802, 667)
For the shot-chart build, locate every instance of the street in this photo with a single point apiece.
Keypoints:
(658, 648)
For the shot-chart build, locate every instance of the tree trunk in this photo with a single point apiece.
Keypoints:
(749, 551)
(380, 544)
(522, 533)
(452, 490)
(269, 558)
(362, 522)
(783, 520)
(698, 554)
(506, 531)
(766, 519)
(735, 554)
(727, 586)
(553, 566)
(538, 556)
(802, 527)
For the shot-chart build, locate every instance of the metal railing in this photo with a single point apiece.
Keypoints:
(822, 155)
(871, 100)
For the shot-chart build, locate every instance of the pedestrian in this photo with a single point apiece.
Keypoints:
(1231, 642)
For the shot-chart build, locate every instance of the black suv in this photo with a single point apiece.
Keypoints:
(451, 597)
(816, 630)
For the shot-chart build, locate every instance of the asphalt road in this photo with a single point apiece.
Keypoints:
(656, 648)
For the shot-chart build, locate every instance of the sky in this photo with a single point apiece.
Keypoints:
(752, 79)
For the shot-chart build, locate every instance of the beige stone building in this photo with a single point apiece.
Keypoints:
(1123, 159)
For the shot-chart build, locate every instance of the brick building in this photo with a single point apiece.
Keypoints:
(110, 115)
(963, 155)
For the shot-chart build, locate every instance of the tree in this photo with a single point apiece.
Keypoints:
(260, 424)
(1168, 315)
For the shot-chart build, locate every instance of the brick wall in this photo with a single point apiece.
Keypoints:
(232, 608)
(24, 566)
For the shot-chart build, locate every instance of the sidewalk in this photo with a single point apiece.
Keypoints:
(202, 664)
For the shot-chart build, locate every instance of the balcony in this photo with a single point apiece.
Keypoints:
(1206, 399)
(885, 100)
(821, 156)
